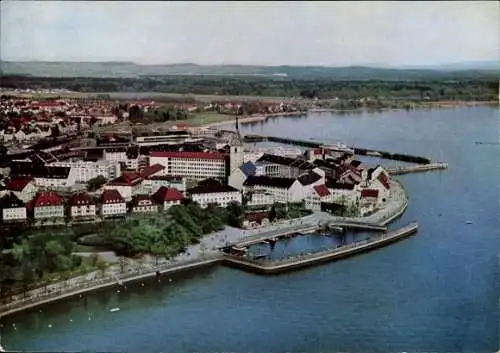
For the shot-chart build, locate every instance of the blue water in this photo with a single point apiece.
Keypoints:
(306, 243)
(436, 291)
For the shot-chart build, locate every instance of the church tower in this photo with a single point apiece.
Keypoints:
(236, 150)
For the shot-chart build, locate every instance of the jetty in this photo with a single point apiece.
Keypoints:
(417, 168)
(357, 150)
(274, 267)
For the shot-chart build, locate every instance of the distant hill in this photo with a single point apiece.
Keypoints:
(129, 69)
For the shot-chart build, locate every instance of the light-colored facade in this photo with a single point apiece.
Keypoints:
(259, 198)
(192, 165)
(83, 211)
(82, 172)
(46, 212)
(221, 199)
(14, 214)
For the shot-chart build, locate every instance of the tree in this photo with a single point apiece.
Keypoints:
(3, 150)
(272, 214)
(95, 183)
(235, 214)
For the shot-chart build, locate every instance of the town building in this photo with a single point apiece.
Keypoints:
(240, 174)
(82, 206)
(44, 176)
(258, 199)
(237, 153)
(167, 197)
(284, 190)
(112, 204)
(256, 220)
(47, 205)
(128, 184)
(283, 167)
(13, 209)
(23, 187)
(211, 191)
(153, 183)
(192, 165)
(82, 171)
(143, 204)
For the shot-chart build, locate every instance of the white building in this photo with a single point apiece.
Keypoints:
(82, 206)
(211, 191)
(378, 179)
(237, 153)
(47, 205)
(284, 190)
(81, 171)
(143, 204)
(167, 197)
(153, 183)
(112, 204)
(128, 156)
(192, 165)
(259, 198)
(240, 174)
(13, 209)
(128, 185)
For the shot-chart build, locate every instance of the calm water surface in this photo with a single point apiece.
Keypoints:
(437, 291)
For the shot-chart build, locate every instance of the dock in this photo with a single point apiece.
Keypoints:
(417, 168)
(358, 226)
(275, 267)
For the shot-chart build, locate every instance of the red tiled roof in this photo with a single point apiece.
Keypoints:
(152, 169)
(167, 194)
(18, 183)
(384, 180)
(49, 198)
(126, 179)
(322, 190)
(82, 199)
(369, 193)
(189, 155)
(111, 196)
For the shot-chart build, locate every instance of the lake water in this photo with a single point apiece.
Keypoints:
(437, 291)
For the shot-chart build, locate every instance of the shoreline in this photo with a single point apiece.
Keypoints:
(419, 105)
(395, 210)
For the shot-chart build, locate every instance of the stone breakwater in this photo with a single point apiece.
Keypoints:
(311, 259)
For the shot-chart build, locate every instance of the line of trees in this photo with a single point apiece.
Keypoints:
(479, 88)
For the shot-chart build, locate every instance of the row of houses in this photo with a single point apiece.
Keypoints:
(49, 205)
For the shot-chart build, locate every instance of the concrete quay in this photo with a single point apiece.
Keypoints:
(275, 267)
(417, 168)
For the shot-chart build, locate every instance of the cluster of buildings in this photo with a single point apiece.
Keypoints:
(28, 120)
(233, 107)
(54, 186)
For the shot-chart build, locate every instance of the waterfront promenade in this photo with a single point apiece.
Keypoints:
(203, 254)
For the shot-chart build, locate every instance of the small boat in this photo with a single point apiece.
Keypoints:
(114, 309)
(338, 147)
(468, 222)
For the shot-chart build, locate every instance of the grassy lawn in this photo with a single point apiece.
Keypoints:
(208, 118)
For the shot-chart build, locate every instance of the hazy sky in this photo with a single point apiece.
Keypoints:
(264, 33)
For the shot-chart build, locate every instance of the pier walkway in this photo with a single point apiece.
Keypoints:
(273, 267)
(417, 168)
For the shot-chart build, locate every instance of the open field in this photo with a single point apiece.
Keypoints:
(157, 96)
